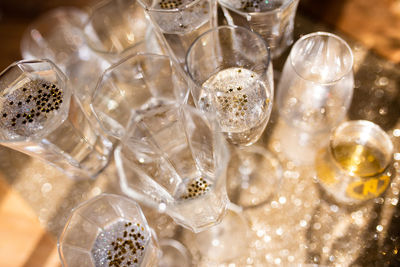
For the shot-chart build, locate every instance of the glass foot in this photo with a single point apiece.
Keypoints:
(253, 176)
(223, 242)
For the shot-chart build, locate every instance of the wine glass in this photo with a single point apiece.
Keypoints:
(40, 117)
(178, 22)
(315, 92)
(111, 230)
(355, 166)
(231, 75)
(172, 158)
(273, 20)
(139, 81)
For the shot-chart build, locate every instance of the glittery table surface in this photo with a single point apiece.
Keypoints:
(297, 225)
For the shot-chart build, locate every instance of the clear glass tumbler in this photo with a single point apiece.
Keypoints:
(118, 28)
(179, 22)
(39, 117)
(108, 230)
(174, 159)
(138, 82)
(231, 76)
(273, 20)
(355, 167)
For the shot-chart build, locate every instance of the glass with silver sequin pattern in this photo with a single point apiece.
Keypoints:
(39, 117)
(231, 75)
(174, 159)
(108, 231)
(273, 20)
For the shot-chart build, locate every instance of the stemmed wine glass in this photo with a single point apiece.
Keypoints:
(231, 75)
(111, 230)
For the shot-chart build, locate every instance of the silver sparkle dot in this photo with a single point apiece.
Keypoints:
(277, 261)
(334, 208)
(396, 156)
(282, 200)
(274, 204)
(379, 228)
(396, 132)
(303, 223)
(279, 231)
(47, 187)
(317, 226)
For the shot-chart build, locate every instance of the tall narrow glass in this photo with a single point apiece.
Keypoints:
(40, 118)
(231, 74)
(314, 93)
(273, 20)
(174, 159)
(179, 22)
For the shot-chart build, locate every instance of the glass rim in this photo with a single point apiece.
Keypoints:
(64, 80)
(232, 28)
(367, 124)
(328, 34)
(174, 10)
(281, 8)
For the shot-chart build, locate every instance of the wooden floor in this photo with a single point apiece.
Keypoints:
(24, 242)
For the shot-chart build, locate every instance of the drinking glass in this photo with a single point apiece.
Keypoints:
(314, 93)
(179, 22)
(355, 167)
(108, 230)
(273, 20)
(40, 118)
(231, 75)
(317, 82)
(117, 28)
(138, 82)
(172, 158)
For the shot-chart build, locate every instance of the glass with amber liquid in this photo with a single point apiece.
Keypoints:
(355, 166)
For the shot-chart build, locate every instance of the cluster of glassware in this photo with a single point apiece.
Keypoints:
(120, 77)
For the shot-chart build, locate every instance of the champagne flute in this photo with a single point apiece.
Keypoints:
(231, 73)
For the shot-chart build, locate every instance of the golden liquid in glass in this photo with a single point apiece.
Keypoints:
(359, 160)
